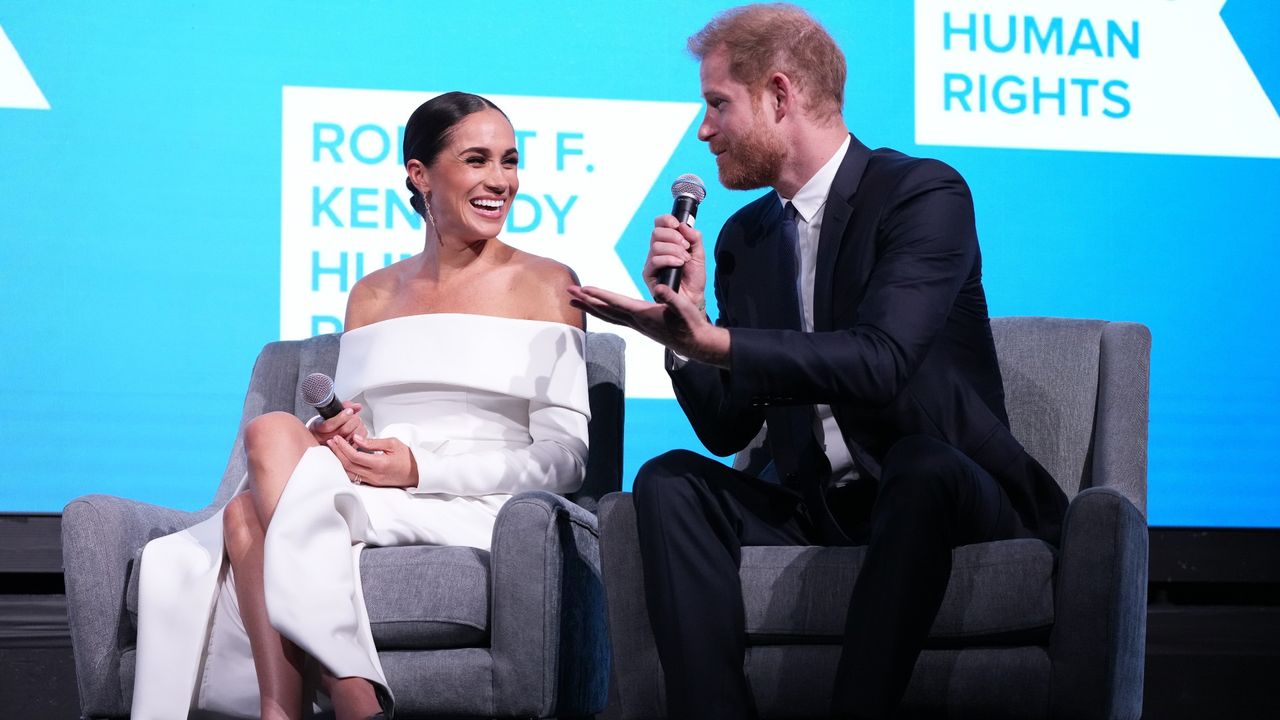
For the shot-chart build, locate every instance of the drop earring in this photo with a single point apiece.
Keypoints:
(431, 218)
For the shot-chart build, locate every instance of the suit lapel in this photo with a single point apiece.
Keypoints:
(835, 221)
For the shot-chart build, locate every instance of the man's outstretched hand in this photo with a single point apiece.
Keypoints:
(673, 321)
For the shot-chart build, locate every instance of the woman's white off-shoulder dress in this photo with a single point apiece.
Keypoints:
(489, 407)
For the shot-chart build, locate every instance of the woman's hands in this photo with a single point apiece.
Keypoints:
(345, 424)
(373, 461)
(368, 461)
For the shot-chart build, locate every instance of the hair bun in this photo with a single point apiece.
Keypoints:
(415, 197)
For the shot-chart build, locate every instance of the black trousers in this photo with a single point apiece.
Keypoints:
(694, 515)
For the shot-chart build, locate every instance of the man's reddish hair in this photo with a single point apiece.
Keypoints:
(763, 39)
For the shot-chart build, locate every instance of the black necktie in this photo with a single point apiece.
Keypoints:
(789, 274)
(790, 426)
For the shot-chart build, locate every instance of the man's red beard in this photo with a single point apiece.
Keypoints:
(754, 160)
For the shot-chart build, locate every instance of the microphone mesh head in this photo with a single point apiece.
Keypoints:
(317, 388)
(691, 185)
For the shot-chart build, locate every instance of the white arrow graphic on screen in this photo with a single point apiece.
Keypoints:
(17, 88)
(1187, 88)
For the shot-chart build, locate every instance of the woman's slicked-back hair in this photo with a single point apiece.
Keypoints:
(763, 39)
(430, 126)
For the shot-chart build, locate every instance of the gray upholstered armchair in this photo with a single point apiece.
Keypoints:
(515, 632)
(1024, 631)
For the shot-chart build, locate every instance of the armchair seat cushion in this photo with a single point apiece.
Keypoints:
(999, 593)
(423, 597)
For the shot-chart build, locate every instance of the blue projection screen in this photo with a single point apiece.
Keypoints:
(181, 185)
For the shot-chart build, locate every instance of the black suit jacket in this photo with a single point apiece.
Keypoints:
(901, 344)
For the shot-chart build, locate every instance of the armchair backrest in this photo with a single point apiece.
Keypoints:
(1076, 393)
(274, 386)
(1077, 396)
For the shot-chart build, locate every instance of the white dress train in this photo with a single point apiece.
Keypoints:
(489, 407)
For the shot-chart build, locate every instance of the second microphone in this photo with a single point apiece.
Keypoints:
(687, 192)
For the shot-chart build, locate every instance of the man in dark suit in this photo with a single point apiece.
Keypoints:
(853, 326)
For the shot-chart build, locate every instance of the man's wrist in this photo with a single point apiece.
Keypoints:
(713, 347)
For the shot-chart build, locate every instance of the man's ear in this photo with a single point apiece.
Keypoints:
(780, 95)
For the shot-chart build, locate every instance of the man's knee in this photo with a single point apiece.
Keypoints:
(920, 467)
(669, 470)
(667, 484)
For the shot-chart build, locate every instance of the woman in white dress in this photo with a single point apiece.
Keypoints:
(465, 369)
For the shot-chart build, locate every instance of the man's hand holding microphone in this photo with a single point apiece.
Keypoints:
(675, 271)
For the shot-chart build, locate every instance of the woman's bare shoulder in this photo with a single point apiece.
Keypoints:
(545, 270)
(544, 289)
(370, 295)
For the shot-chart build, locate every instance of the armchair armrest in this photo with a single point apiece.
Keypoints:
(548, 623)
(101, 535)
(639, 680)
(1098, 642)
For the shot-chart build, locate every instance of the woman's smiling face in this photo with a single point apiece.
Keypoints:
(473, 180)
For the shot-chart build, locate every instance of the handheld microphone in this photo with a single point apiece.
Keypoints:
(687, 191)
(317, 391)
